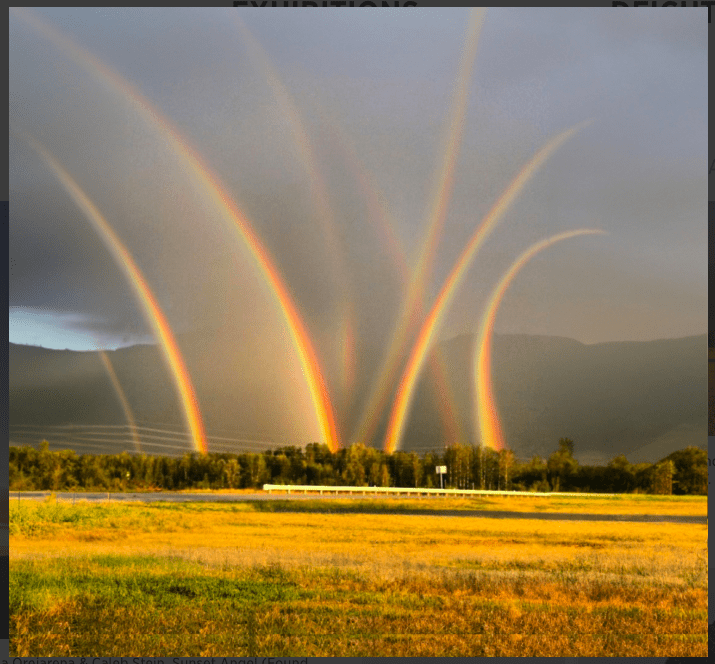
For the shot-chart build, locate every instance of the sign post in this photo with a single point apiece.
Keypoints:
(441, 470)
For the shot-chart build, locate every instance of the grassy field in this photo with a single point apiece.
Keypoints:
(249, 579)
(623, 504)
(627, 504)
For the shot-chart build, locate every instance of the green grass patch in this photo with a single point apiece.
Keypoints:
(153, 606)
(131, 581)
(50, 517)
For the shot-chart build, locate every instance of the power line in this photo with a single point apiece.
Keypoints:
(139, 429)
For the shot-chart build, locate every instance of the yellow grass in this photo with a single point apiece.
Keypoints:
(485, 585)
(630, 504)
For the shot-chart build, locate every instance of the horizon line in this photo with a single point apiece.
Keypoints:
(444, 340)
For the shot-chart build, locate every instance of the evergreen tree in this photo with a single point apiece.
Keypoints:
(561, 465)
(663, 478)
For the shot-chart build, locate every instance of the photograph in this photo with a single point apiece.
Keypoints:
(358, 331)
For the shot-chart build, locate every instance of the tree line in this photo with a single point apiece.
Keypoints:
(468, 467)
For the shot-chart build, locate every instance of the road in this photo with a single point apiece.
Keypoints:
(167, 496)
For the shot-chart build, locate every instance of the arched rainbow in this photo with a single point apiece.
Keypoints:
(210, 185)
(319, 194)
(153, 313)
(431, 324)
(488, 424)
(379, 219)
(128, 414)
(410, 316)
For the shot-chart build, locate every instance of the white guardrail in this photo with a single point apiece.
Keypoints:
(382, 490)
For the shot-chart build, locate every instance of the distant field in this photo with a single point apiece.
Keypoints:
(170, 579)
(626, 504)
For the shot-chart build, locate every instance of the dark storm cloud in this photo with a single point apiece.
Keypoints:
(386, 78)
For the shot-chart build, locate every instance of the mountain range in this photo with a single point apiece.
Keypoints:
(641, 399)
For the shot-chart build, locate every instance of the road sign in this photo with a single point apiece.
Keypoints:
(441, 470)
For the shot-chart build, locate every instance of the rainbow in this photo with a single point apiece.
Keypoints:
(318, 187)
(409, 315)
(431, 324)
(348, 357)
(210, 185)
(122, 398)
(489, 426)
(378, 217)
(379, 396)
(153, 313)
(445, 177)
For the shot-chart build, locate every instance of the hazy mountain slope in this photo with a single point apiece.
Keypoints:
(644, 399)
(610, 398)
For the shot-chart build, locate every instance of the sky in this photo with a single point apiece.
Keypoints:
(368, 92)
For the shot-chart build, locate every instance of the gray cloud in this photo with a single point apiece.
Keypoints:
(386, 79)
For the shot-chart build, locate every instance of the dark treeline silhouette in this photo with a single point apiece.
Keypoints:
(468, 467)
